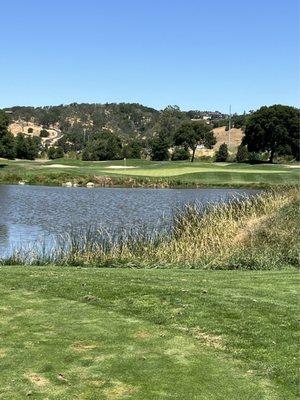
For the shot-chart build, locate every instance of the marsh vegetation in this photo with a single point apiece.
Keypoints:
(259, 232)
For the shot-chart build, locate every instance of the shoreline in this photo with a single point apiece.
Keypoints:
(146, 174)
(229, 236)
(108, 182)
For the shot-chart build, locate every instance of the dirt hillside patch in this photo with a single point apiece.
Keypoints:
(221, 135)
(35, 130)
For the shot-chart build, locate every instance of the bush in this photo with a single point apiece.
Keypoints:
(7, 146)
(180, 153)
(26, 147)
(222, 153)
(256, 158)
(242, 154)
(44, 133)
(30, 130)
(55, 152)
(205, 158)
(133, 149)
(106, 146)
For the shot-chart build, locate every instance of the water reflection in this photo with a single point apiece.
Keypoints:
(3, 234)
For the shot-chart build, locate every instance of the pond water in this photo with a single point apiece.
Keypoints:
(32, 214)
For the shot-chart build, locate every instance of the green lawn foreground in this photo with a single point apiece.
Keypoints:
(71, 333)
(170, 172)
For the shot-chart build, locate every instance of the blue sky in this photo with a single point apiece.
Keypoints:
(195, 54)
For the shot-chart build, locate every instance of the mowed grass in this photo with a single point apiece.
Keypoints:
(172, 173)
(71, 333)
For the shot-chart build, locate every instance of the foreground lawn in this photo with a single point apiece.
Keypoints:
(173, 173)
(71, 333)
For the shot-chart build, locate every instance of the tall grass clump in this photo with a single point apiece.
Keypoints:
(259, 232)
(222, 234)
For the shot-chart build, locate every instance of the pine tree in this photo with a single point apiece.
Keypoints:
(222, 153)
(242, 154)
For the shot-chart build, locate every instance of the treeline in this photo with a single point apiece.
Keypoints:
(173, 130)
(79, 122)
(269, 132)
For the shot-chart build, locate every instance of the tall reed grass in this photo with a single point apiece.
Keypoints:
(231, 235)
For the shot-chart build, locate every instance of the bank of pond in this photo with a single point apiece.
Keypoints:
(147, 228)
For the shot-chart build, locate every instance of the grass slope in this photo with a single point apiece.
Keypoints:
(148, 172)
(73, 333)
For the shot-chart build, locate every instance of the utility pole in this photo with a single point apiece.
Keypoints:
(229, 126)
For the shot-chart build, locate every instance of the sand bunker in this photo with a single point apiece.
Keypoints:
(121, 167)
(59, 166)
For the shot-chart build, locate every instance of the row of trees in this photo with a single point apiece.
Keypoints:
(186, 138)
(270, 131)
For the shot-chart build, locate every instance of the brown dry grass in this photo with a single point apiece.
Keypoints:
(23, 126)
(222, 137)
(119, 390)
(38, 380)
(78, 346)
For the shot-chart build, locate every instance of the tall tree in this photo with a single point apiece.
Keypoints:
(7, 142)
(273, 129)
(242, 154)
(4, 121)
(26, 147)
(159, 147)
(169, 121)
(132, 149)
(190, 134)
(105, 146)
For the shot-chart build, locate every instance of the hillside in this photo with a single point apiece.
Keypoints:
(33, 129)
(125, 118)
(222, 136)
(73, 124)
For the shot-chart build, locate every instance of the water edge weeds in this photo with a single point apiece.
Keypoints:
(260, 232)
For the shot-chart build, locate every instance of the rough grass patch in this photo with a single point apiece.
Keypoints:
(119, 390)
(37, 379)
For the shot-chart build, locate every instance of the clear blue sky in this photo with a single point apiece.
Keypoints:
(196, 54)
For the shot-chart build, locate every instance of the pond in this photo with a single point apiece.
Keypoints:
(32, 214)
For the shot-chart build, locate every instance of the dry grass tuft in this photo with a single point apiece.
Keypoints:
(79, 346)
(38, 380)
(119, 390)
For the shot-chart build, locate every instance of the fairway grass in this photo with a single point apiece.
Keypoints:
(147, 173)
(71, 333)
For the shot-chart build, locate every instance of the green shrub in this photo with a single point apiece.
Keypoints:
(242, 154)
(44, 133)
(222, 153)
(55, 152)
(180, 153)
(256, 158)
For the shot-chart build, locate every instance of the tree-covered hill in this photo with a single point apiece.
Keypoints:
(73, 125)
(120, 118)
